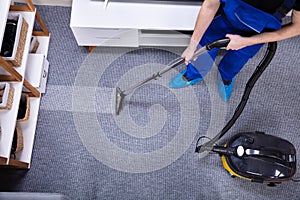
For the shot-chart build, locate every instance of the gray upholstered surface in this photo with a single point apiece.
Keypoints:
(84, 151)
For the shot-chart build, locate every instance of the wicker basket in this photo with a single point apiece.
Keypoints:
(20, 50)
(6, 96)
(34, 45)
(20, 40)
(20, 142)
(24, 108)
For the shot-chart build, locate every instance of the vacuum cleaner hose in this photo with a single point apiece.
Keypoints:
(270, 52)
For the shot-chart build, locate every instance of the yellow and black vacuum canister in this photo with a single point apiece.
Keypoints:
(258, 157)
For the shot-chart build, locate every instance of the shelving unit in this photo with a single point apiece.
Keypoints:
(22, 79)
(135, 23)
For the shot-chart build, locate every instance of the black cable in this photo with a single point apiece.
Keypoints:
(201, 137)
(270, 52)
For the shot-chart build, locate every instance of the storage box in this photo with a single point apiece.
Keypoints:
(6, 96)
(20, 39)
(37, 71)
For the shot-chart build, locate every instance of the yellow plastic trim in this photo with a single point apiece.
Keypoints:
(226, 166)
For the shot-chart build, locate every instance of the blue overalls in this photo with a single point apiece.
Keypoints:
(239, 18)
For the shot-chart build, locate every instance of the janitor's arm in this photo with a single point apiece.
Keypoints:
(206, 14)
(290, 30)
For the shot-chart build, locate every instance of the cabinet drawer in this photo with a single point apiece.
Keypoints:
(106, 37)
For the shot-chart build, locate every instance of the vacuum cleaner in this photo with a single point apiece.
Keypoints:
(258, 157)
(254, 156)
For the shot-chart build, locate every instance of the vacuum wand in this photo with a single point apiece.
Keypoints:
(120, 95)
(154, 76)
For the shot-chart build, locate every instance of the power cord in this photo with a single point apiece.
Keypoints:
(198, 147)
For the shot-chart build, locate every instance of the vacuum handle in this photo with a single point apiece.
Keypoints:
(218, 44)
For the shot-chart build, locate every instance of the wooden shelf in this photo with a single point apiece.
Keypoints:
(23, 78)
(8, 118)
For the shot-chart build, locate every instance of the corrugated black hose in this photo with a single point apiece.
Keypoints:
(270, 52)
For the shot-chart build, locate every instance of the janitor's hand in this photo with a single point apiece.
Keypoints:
(189, 52)
(238, 42)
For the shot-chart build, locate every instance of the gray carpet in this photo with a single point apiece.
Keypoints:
(83, 150)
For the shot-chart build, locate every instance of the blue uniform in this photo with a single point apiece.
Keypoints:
(239, 18)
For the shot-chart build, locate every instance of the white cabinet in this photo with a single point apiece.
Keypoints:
(21, 78)
(95, 23)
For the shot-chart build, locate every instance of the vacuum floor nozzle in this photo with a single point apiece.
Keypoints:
(119, 100)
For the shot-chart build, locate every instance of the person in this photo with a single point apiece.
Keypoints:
(248, 24)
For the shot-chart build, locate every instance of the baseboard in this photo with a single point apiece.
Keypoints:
(65, 3)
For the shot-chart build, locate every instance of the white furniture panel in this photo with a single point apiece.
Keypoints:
(89, 15)
(34, 69)
(106, 37)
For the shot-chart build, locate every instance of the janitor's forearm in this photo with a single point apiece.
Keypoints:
(290, 30)
(206, 14)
